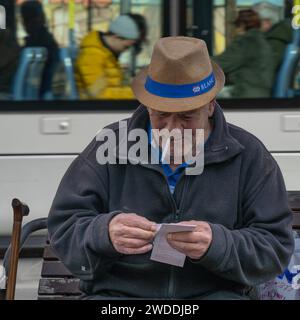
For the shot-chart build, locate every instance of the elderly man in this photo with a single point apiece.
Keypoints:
(104, 217)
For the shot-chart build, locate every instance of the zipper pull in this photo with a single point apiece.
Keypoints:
(177, 215)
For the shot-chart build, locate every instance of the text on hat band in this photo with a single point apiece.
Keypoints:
(180, 90)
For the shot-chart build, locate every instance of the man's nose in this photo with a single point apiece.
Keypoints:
(173, 123)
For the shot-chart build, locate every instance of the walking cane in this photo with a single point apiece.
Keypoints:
(20, 210)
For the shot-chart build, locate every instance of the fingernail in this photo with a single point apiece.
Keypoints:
(153, 228)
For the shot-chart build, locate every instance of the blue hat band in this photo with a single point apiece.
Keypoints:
(180, 90)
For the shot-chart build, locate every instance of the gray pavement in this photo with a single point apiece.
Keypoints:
(29, 273)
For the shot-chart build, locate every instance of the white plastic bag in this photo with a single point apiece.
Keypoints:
(287, 285)
(2, 278)
(2, 283)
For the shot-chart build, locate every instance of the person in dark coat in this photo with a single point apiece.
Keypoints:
(105, 216)
(248, 61)
(38, 35)
(9, 50)
(279, 33)
(9, 59)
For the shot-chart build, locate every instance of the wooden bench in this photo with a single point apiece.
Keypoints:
(294, 200)
(58, 283)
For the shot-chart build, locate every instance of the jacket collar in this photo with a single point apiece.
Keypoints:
(220, 147)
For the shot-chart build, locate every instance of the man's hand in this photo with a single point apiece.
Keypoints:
(131, 234)
(193, 244)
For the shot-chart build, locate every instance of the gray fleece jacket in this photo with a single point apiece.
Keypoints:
(241, 193)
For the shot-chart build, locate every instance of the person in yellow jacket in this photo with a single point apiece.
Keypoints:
(97, 70)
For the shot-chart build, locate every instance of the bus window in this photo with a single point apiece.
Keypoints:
(60, 49)
(257, 47)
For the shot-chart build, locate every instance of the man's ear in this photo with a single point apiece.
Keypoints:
(211, 108)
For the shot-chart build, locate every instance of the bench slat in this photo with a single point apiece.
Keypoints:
(296, 219)
(61, 297)
(59, 287)
(294, 200)
(49, 253)
(55, 269)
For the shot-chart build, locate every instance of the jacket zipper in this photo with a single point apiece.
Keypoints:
(176, 218)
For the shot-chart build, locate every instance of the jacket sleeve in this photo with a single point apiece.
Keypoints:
(78, 221)
(260, 249)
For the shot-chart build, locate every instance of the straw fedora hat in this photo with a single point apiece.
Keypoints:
(180, 77)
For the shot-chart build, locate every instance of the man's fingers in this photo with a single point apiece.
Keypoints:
(136, 221)
(129, 232)
(142, 250)
(187, 236)
(131, 243)
(189, 249)
(183, 247)
(142, 224)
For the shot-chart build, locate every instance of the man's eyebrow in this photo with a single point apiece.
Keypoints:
(191, 112)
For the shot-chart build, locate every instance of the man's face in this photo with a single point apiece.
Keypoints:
(195, 119)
